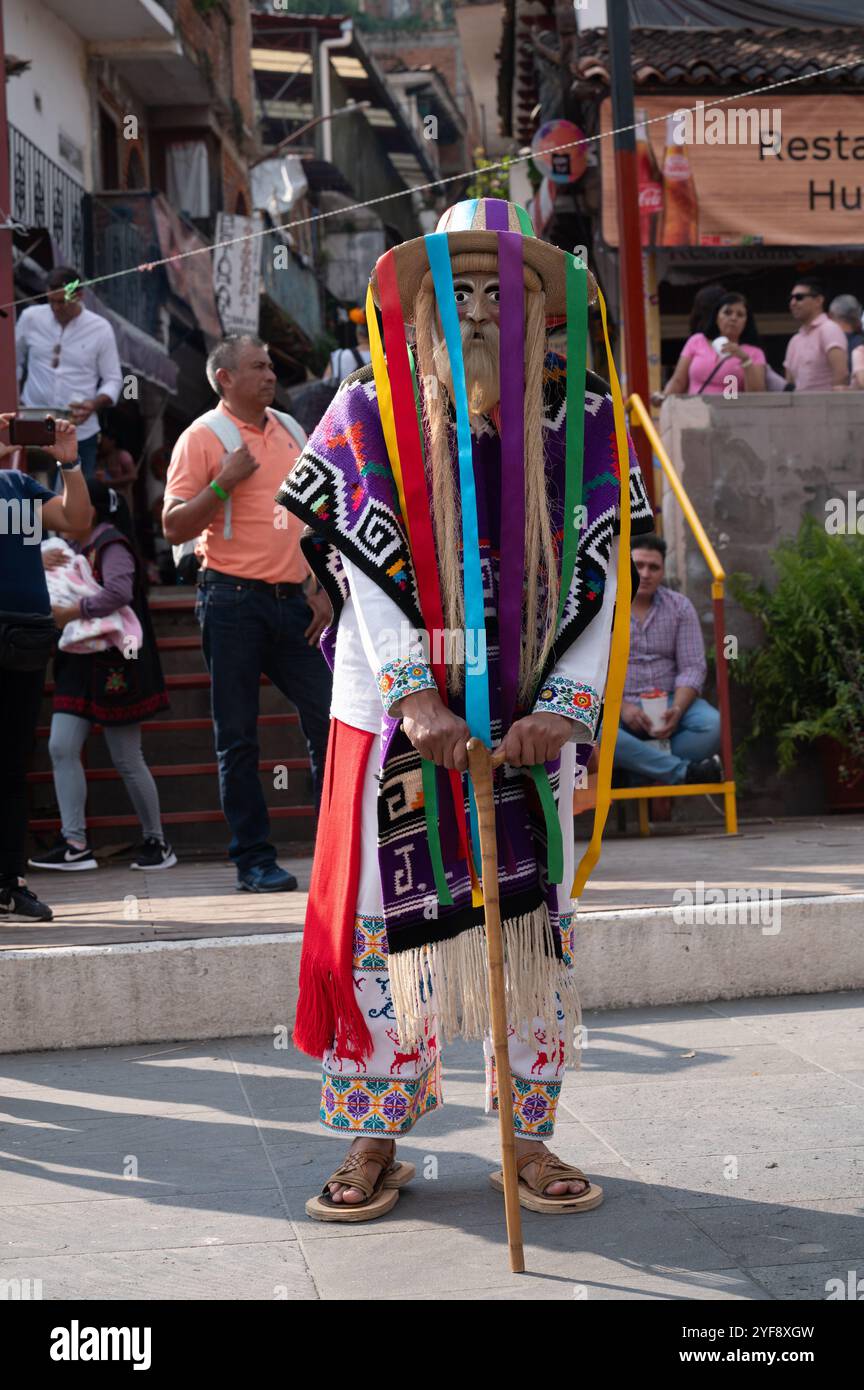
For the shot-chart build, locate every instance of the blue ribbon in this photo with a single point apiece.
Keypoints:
(477, 714)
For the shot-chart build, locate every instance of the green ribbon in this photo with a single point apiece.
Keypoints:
(554, 838)
(70, 290)
(577, 341)
(577, 335)
(430, 805)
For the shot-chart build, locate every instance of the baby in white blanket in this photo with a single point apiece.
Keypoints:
(67, 585)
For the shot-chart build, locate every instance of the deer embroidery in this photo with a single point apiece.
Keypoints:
(543, 1058)
(400, 1058)
(358, 1062)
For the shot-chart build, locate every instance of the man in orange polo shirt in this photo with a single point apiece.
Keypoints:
(260, 609)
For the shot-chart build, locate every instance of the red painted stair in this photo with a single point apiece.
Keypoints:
(180, 752)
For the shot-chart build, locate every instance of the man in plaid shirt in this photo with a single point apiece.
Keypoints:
(667, 654)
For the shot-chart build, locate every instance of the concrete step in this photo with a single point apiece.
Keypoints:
(229, 986)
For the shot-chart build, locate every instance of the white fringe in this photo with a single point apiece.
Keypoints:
(448, 980)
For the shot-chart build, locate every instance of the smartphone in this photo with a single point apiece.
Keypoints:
(37, 433)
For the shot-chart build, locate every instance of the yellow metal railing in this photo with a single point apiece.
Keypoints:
(583, 799)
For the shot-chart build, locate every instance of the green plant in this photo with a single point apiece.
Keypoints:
(807, 678)
(491, 177)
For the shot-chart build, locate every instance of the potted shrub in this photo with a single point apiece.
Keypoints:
(806, 680)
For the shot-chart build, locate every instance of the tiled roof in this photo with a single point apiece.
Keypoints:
(690, 57)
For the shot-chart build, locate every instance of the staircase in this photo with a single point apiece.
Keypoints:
(178, 746)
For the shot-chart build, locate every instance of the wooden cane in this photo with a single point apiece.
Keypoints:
(480, 764)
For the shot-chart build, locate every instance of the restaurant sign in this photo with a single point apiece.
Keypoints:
(775, 171)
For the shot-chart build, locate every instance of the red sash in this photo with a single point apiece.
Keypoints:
(327, 1011)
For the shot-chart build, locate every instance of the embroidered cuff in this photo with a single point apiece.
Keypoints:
(402, 677)
(574, 700)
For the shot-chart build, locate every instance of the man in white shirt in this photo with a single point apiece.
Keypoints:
(68, 360)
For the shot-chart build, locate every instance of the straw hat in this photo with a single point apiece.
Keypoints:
(467, 227)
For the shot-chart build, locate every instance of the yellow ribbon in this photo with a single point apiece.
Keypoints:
(385, 401)
(620, 648)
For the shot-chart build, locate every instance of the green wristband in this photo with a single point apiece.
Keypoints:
(220, 492)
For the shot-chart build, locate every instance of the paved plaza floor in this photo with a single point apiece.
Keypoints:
(800, 858)
(728, 1139)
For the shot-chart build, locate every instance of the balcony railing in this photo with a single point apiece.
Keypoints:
(293, 287)
(44, 195)
(119, 242)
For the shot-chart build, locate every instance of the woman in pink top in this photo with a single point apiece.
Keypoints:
(701, 369)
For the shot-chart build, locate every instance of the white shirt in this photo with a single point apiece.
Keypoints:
(373, 629)
(343, 362)
(88, 365)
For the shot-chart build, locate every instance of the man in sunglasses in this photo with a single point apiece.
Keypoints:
(71, 362)
(816, 357)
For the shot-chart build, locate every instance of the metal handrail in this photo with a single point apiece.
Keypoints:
(637, 405)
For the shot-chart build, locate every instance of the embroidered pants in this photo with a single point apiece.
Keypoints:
(388, 1092)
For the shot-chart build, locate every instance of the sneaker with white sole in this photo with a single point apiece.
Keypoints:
(154, 854)
(64, 857)
(19, 904)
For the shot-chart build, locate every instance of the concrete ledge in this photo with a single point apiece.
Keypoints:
(153, 991)
(92, 996)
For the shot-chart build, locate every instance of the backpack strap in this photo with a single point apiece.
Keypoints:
(229, 437)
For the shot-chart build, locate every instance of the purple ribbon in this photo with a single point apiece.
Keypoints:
(511, 368)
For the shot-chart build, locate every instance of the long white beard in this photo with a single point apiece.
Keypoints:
(481, 356)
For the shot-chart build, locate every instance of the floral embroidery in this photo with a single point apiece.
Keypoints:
(370, 944)
(567, 932)
(534, 1106)
(403, 677)
(353, 1101)
(115, 683)
(572, 699)
(378, 1105)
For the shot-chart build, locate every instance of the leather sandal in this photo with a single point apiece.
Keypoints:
(379, 1187)
(551, 1169)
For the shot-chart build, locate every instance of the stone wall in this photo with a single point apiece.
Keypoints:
(753, 468)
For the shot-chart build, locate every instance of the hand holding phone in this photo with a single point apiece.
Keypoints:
(37, 434)
(59, 437)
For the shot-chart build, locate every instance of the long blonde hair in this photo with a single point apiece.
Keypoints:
(541, 554)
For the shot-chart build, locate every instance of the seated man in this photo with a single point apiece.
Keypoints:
(667, 654)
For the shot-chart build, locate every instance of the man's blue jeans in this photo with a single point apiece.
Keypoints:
(697, 736)
(247, 633)
(87, 453)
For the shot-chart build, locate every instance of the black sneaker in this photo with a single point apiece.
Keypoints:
(707, 770)
(20, 905)
(154, 854)
(65, 857)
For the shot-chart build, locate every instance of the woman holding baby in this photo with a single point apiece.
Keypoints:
(117, 687)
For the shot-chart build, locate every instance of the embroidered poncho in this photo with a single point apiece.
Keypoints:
(342, 486)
